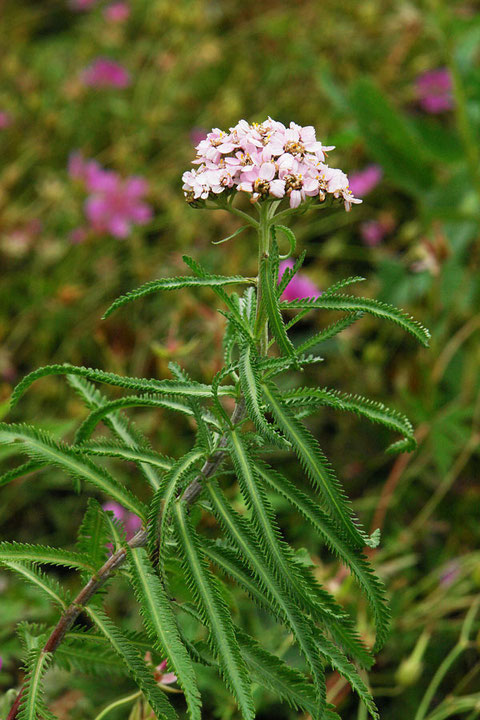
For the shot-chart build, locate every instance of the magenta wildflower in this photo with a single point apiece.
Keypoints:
(117, 12)
(265, 160)
(434, 91)
(364, 181)
(372, 232)
(131, 522)
(5, 120)
(105, 73)
(299, 286)
(116, 204)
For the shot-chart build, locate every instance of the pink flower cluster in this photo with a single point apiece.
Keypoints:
(265, 160)
(114, 204)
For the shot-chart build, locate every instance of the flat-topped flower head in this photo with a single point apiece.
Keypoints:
(268, 161)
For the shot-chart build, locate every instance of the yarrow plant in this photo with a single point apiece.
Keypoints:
(246, 420)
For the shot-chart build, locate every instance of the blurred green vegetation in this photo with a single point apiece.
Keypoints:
(350, 70)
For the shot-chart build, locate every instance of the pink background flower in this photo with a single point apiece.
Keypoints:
(117, 12)
(131, 522)
(434, 91)
(103, 73)
(364, 181)
(300, 286)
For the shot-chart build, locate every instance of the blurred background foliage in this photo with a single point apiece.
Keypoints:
(352, 70)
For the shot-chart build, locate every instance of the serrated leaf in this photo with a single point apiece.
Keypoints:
(32, 704)
(161, 625)
(162, 503)
(292, 577)
(117, 422)
(22, 470)
(45, 555)
(42, 446)
(206, 590)
(134, 664)
(356, 561)
(38, 579)
(250, 550)
(329, 332)
(251, 388)
(268, 284)
(290, 273)
(317, 468)
(342, 284)
(162, 387)
(374, 411)
(351, 303)
(176, 283)
(92, 534)
(110, 448)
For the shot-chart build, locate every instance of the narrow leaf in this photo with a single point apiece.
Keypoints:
(161, 625)
(206, 590)
(350, 303)
(176, 284)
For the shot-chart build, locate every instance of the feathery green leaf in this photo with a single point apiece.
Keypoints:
(42, 446)
(136, 667)
(355, 560)
(161, 625)
(351, 303)
(374, 411)
(45, 555)
(32, 704)
(206, 590)
(161, 387)
(316, 467)
(175, 283)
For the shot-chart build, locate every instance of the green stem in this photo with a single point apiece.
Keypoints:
(118, 703)
(444, 667)
(263, 251)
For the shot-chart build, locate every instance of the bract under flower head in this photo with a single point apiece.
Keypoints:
(268, 161)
